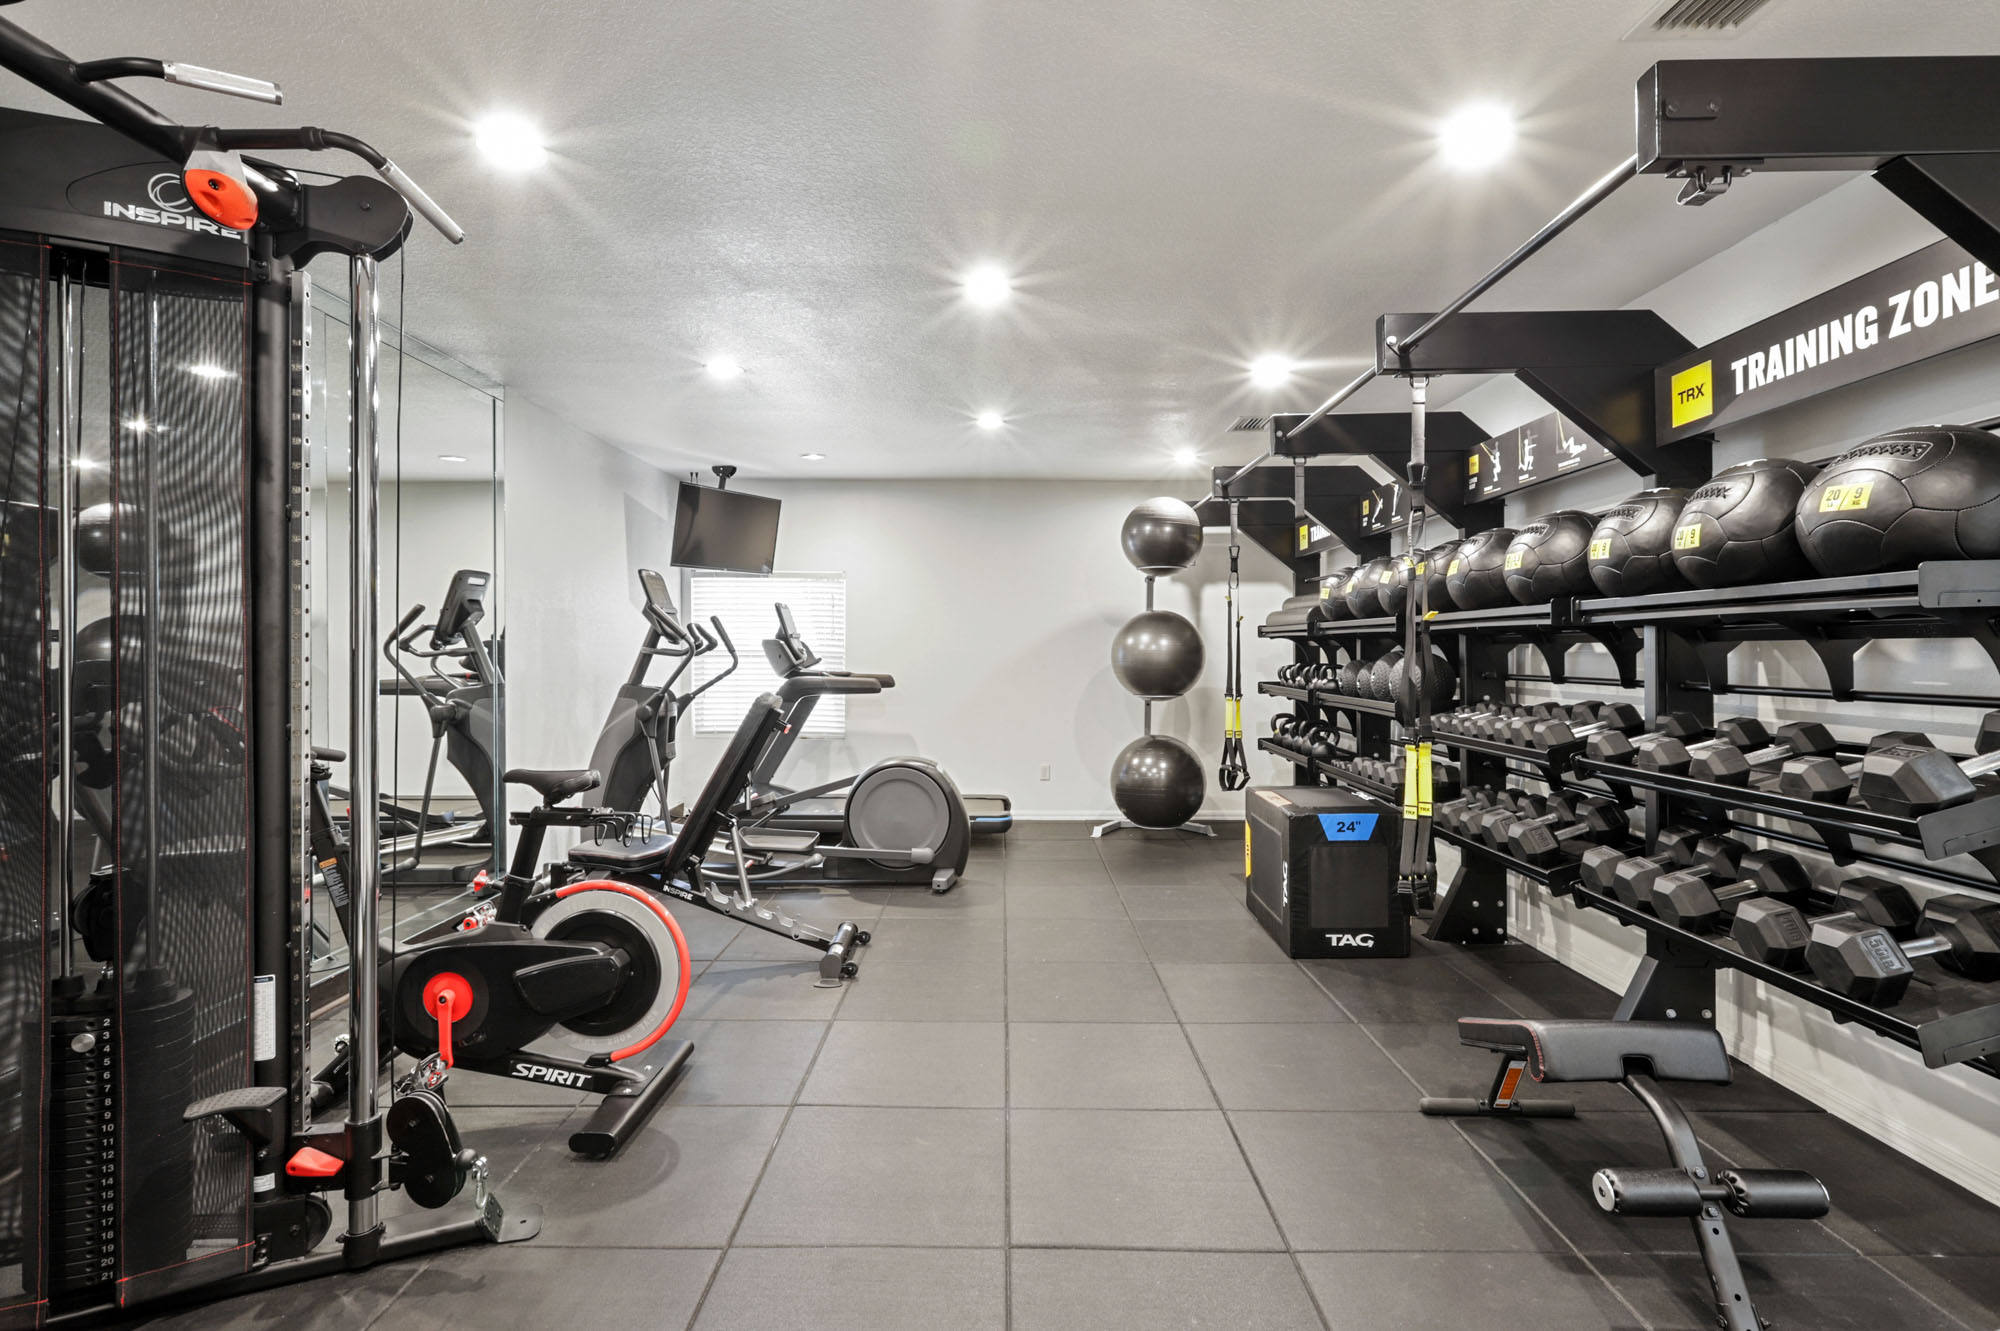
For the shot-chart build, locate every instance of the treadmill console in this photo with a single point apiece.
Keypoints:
(788, 651)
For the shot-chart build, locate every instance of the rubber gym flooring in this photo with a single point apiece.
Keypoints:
(1084, 1090)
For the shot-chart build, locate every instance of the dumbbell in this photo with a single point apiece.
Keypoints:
(1698, 899)
(1777, 932)
(1617, 746)
(1542, 842)
(1560, 807)
(1728, 760)
(1676, 845)
(1905, 772)
(1490, 824)
(1675, 755)
(1555, 731)
(1451, 814)
(1825, 779)
(1630, 878)
(1862, 960)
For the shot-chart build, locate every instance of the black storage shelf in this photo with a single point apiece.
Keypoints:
(1387, 794)
(1292, 756)
(1271, 688)
(1967, 829)
(1560, 879)
(1556, 616)
(1380, 626)
(1293, 631)
(1552, 761)
(1941, 595)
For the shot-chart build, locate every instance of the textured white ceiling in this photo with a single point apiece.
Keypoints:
(1180, 185)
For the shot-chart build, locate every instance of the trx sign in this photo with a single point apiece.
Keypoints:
(1933, 301)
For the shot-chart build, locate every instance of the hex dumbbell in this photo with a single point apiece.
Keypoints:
(1555, 731)
(1617, 746)
(1543, 841)
(1728, 762)
(1698, 900)
(1864, 961)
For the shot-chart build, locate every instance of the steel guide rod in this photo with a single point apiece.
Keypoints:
(363, 687)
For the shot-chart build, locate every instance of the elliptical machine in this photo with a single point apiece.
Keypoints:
(461, 708)
(901, 820)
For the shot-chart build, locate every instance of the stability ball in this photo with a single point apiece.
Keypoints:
(1161, 536)
(1157, 782)
(96, 542)
(1158, 654)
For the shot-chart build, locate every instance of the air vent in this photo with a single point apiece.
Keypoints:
(1251, 424)
(1696, 18)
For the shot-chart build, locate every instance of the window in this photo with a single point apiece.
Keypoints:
(746, 606)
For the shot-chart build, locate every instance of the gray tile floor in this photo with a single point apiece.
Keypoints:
(1083, 1091)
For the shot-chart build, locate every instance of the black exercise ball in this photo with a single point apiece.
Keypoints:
(1364, 588)
(1161, 536)
(94, 667)
(1333, 587)
(1375, 684)
(1632, 549)
(1348, 678)
(1158, 654)
(1739, 527)
(96, 539)
(1476, 576)
(1157, 781)
(1431, 568)
(1923, 492)
(1441, 680)
(1550, 557)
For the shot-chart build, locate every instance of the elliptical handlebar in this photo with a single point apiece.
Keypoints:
(721, 635)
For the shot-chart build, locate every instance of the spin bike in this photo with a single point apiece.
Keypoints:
(602, 961)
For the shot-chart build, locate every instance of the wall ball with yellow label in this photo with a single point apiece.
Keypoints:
(1922, 492)
(1333, 601)
(1550, 557)
(1396, 592)
(1740, 528)
(1364, 587)
(1476, 576)
(1632, 547)
(1432, 568)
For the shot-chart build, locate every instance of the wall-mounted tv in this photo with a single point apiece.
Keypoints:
(724, 529)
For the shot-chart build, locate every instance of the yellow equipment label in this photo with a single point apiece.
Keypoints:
(1600, 549)
(1472, 465)
(1421, 567)
(1364, 506)
(1246, 847)
(1416, 780)
(1688, 537)
(1514, 559)
(1846, 498)
(1694, 393)
(1453, 568)
(1234, 724)
(1305, 535)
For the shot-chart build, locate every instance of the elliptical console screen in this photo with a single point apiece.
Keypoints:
(725, 529)
(464, 606)
(660, 612)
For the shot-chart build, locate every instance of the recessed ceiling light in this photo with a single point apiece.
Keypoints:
(451, 457)
(988, 286)
(990, 420)
(723, 367)
(85, 464)
(813, 457)
(1186, 457)
(1272, 370)
(511, 142)
(208, 371)
(138, 424)
(1476, 136)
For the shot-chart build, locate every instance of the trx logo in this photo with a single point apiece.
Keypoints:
(553, 1076)
(1909, 450)
(1621, 513)
(1350, 940)
(1846, 498)
(1713, 490)
(1693, 393)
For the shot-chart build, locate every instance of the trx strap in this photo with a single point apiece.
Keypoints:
(1234, 773)
(1416, 881)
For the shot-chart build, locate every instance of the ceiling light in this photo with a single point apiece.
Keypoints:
(1186, 457)
(813, 457)
(1272, 371)
(723, 367)
(510, 142)
(988, 286)
(85, 464)
(451, 457)
(1476, 136)
(208, 371)
(137, 424)
(990, 420)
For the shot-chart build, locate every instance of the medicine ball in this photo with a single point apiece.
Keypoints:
(1161, 536)
(1476, 576)
(1431, 568)
(1923, 492)
(1348, 679)
(1393, 591)
(1364, 588)
(1333, 588)
(1550, 557)
(1387, 679)
(1632, 549)
(1739, 527)
(1375, 684)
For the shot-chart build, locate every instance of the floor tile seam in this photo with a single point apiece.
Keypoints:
(764, 1167)
(1491, 1164)
(416, 1271)
(1256, 1180)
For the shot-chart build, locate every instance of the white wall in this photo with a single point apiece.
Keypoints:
(994, 604)
(1949, 1118)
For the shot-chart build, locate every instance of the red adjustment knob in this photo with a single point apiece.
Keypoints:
(480, 882)
(447, 997)
(311, 1162)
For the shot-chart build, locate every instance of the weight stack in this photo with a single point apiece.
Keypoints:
(1319, 872)
(82, 1183)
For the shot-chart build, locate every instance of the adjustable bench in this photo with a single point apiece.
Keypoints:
(1639, 1055)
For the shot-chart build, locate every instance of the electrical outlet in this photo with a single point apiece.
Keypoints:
(1047, 771)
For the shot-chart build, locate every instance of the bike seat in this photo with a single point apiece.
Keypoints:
(1603, 1050)
(623, 854)
(555, 784)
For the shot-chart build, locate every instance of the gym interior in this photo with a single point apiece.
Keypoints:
(1277, 665)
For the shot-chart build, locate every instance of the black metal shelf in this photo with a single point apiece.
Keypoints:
(1559, 879)
(1387, 794)
(1325, 698)
(1271, 688)
(1936, 592)
(1553, 617)
(1292, 756)
(1966, 829)
(1293, 631)
(1379, 626)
